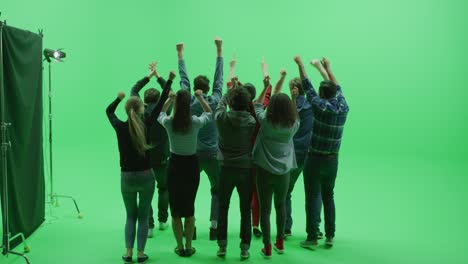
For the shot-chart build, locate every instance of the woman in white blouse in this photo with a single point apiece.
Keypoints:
(183, 176)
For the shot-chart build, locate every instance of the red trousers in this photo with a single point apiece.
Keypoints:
(255, 205)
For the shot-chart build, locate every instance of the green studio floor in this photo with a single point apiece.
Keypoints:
(386, 214)
(402, 180)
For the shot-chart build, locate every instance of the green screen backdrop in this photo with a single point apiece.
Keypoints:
(21, 72)
(402, 180)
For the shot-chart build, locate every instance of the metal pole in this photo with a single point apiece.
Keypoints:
(4, 147)
(50, 137)
(53, 196)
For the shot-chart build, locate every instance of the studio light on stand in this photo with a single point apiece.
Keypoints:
(57, 55)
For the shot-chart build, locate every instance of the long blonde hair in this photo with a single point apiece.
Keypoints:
(134, 108)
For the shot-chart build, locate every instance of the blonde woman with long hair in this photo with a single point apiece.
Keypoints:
(137, 178)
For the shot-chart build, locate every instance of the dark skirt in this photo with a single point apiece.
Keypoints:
(183, 178)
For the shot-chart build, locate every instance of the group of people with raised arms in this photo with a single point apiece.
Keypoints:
(258, 145)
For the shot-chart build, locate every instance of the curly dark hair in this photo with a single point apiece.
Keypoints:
(201, 82)
(280, 111)
(239, 99)
(182, 120)
(251, 88)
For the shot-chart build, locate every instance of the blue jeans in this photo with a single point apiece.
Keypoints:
(294, 175)
(137, 192)
(210, 164)
(319, 180)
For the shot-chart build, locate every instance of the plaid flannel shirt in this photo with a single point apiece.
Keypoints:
(329, 120)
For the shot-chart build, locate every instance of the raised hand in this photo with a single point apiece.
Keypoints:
(121, 95)
(316, 63)
(283, 73)
(280, 82)
(180, 51)
(300, 65)
(180, 47)
(232, 63)
(152, 65)
(235, 82)
(152, 68)
(264, 68)
(218, 42)
(198, 93)
(326, 63)
(172, 75)
(219, 47)
(232, 67)
(298, 60)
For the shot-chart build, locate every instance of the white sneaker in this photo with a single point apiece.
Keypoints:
(244, 254)
(150, 233)
(221, 252)
(310, 244)
(329, 242)
(163, 226)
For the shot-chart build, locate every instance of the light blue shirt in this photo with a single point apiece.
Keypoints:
(274, 147)
(184, 144)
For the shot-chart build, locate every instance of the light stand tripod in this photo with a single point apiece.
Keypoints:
(5, 145)
(48, 53)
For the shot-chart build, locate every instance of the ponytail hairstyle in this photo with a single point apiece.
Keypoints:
(134, 108)
(182, 120)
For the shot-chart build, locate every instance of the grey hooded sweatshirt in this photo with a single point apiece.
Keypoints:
(235, 129)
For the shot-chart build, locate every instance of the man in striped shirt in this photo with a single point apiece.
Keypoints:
(330, 113)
